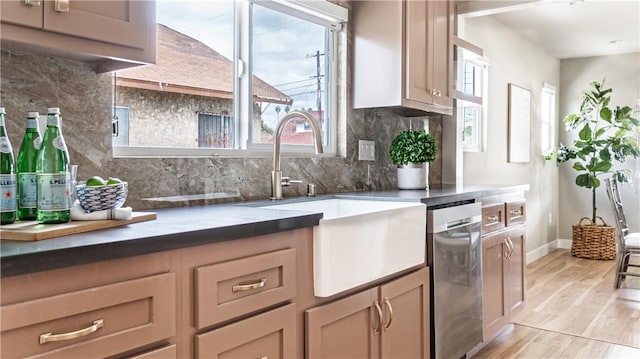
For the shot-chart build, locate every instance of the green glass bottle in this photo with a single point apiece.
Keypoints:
(26, 168)
(52, 174)
(7, 176)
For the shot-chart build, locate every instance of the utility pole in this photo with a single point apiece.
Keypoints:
(319, 83)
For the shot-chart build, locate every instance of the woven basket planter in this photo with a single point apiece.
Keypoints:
(593, 241)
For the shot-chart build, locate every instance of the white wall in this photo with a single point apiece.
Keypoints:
(519, 61)
(622, 74)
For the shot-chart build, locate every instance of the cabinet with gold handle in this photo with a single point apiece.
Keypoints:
(249, 286)
(50, 337)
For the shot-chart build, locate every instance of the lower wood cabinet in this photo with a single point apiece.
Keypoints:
(268, 335)
(503, 276)
(387, 321)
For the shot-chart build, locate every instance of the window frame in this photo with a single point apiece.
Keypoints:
(324, 13)
(548, 119)
(463, 99)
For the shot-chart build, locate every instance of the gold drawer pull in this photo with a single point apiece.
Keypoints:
(49, 337)
(249, 286)
(492, 218)
(515, 212)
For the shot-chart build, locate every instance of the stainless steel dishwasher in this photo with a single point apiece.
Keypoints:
(454, 253)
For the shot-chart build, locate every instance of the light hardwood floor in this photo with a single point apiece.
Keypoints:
(573, 311)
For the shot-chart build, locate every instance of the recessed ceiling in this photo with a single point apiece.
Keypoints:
(568, 28)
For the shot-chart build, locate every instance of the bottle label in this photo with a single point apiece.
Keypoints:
(27, 184)
(5, 145)
(8, 192)
(54, 191)
(58, 143)
(37, 142)
(32, 123)
(53, 121)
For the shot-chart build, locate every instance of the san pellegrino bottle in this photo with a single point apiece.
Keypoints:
(52, 174)
(7, 175)
(26, 168)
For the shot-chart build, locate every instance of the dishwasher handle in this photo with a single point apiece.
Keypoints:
(461, 223)
(453, 224)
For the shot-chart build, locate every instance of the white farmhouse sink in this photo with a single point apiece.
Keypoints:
(358, 241)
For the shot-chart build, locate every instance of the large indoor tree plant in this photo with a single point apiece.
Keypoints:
(411, 150)
(604, 135)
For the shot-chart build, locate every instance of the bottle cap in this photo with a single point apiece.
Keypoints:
(53, 110)
(33, 114)
(2, 111)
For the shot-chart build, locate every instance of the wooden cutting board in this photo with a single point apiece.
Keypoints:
(32, 231)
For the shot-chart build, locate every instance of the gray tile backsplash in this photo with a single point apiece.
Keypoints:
(33, 82)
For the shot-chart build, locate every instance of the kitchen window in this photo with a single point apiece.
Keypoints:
(227, 71)
(471, 75)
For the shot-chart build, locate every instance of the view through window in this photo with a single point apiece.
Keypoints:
(205, 92)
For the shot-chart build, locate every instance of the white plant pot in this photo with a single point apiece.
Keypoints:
(413, 176)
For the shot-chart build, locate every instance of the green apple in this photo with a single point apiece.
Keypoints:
(96, 181)
(114, 180)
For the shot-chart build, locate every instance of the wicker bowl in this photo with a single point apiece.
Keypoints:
(98, 198)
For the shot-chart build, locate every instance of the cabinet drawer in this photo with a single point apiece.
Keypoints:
(93, 322)
(493, 217)
(229, 289)
(268, 335)
(167, 352)
(516, 213)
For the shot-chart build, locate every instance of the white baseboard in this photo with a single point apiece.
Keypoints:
(564, 243)
(542, 251)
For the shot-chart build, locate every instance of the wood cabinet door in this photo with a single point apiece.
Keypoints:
(405, 304)
(494, 283)
(344, 328)
(516, 271)
(123, 22)
(19, 12)
(440, 58)
(268, 335)
(416, 54)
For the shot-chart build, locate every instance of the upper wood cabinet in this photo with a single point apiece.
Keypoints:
(114, 34)
(403, 55)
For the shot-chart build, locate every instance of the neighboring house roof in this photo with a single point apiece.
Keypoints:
(186, 65)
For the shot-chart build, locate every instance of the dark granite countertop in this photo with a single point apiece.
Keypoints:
(197, 225)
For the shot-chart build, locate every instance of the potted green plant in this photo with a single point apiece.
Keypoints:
(604, 135)
(412, 150)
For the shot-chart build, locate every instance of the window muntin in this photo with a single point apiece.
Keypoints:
(218, 45)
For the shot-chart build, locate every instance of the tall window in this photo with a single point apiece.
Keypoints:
(471, 93)
(227, 71)
(547, 118)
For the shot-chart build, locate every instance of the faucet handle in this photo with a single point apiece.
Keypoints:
(286, 181)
